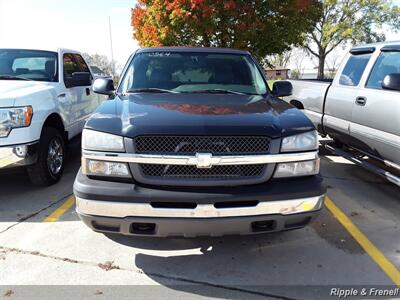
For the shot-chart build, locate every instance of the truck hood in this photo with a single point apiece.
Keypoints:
(198, 114)
(12, 89)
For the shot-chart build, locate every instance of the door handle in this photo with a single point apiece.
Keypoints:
(361, 101)
(87, 91)
(62, 98)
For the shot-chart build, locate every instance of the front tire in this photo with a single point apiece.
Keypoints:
(51, 158)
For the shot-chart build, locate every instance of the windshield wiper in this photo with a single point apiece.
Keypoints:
(150, 90)
(218, 91)
(11, 77)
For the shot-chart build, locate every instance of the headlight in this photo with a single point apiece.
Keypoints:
(14, 118)
(300, 142)
(105, 168)
(100, 141)
(296, 169)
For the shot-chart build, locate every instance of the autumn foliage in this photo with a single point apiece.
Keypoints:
(260, 26)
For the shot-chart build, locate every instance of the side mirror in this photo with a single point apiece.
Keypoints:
(104, 86)
(79, 79)
(391, 82)
(282, 88)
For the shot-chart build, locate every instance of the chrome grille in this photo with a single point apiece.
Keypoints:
(191, 172)
(190, 145)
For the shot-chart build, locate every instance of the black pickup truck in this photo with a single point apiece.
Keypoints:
(192, 143)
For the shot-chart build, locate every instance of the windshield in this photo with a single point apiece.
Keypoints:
(193, 73)
(28, 65)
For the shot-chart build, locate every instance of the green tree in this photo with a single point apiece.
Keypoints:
(261, 26)
(356, 21)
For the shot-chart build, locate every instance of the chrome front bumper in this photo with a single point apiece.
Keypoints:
(123, 210)
(204, 220)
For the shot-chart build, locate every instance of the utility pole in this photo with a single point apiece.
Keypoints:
(1, 4)
(111, 44)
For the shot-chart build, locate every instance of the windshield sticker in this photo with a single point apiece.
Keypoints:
(159, 53)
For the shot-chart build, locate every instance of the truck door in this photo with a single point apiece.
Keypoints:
(73, 95)
(375, 123)
(341, 95)
(78, 96)
(89, 100)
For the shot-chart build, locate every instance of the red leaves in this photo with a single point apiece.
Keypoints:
(303, 4)
(207, 12)
(227, 23)
(137, 16)
(197, 3)
(230, 5)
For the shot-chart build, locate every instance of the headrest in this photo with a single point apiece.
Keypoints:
(50, 67)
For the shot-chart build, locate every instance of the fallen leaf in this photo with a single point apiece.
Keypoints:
(107, 266)
(8, 293)
(70, 260)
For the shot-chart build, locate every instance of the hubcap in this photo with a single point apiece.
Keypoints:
(55, 156)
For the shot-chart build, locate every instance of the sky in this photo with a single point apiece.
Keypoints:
(77, 24)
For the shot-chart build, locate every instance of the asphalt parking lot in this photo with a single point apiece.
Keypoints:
(354, 242)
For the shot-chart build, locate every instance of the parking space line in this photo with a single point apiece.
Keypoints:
(61, 210)
(379, 258)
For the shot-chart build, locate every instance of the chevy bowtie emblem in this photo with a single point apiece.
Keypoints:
(204, 160)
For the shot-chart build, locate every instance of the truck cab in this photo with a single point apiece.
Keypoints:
(45, 99)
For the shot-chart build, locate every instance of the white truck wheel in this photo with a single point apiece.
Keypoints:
(51, 158)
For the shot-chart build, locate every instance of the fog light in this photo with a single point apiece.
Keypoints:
(305, 206)
(105, 168)
(303, 168)
(21, 151)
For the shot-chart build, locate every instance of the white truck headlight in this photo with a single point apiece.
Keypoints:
(296, 169)
(105, 168)
(300, 142)
(14, 117)
(100, 141)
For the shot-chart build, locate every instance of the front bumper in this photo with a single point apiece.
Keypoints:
(194, 227)
(18, 155)
(138, 210)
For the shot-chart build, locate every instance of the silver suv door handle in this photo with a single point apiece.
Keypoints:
(361, 101)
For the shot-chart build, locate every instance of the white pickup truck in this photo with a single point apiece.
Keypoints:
(360, 108)
(45, 99)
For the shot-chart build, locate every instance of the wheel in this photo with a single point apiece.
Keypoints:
(51, 158)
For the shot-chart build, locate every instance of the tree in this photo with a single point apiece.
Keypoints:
(353, 21)
(278, 60)
(297, 60)
(332, 64)
(103, 63)
(261, 26)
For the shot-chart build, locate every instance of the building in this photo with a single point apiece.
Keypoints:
(277, 73)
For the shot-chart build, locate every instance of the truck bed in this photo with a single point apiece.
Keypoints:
(309, 95)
